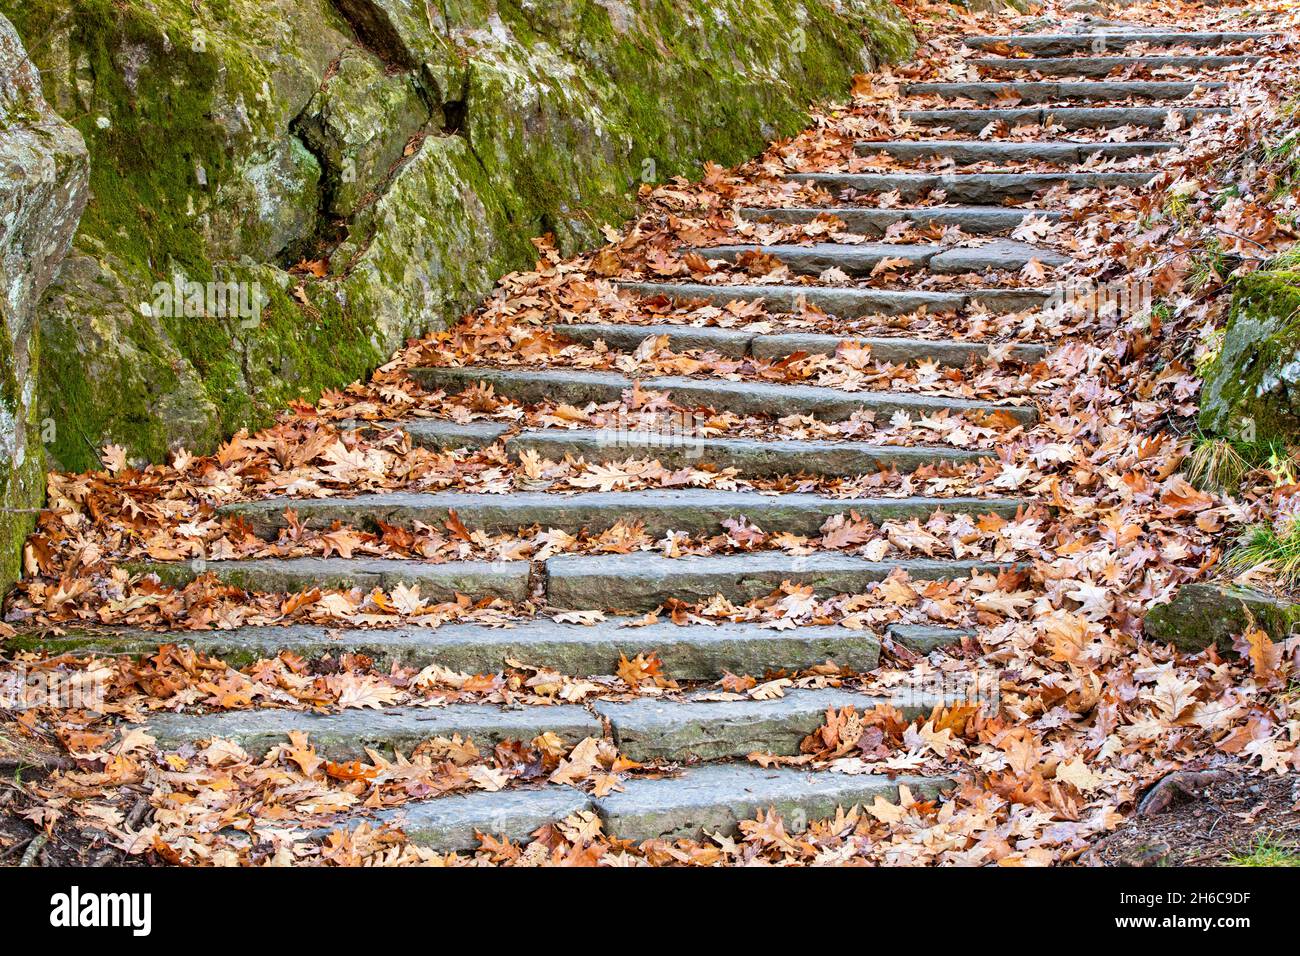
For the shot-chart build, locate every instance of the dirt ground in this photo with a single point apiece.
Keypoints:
(1210, 827)
(24, 765)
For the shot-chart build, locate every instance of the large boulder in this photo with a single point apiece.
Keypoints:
(1252, 386)
(400, 153)
(1208, 613)
(43, 190)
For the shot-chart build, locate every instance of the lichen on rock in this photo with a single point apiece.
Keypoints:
(43, 189)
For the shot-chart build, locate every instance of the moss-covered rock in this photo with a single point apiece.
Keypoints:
(1205, 614)
(43, 189)
(1252, 387)
(413, 147)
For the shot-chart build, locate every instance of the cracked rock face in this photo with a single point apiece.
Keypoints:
(43, 190)
(400, 154)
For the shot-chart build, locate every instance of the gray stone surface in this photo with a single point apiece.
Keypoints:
(643, 581)
(688, 652)
(999, 254)
(1108, 41)
(1098, 117)
(845, 303)
(733, 343)
(1035, 92)
(432, 433)
(716, 797)
(346, 735)
(43, 190)
(1099, 66)
(740, 342)
(975, 151)
(438, 582)
(650, 729)
(817, 257)
(751, 457)
(895, 350)
(449, 824)
(578, 387)
(975, 220)
(970, 187)
(695, 510)
(1208, 613)
(924, 638)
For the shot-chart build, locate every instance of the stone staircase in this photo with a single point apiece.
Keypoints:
(710, 738)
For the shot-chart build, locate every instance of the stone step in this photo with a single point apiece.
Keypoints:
(859, 260)
(579, 387)
(707, 799)
(507, 580)
(737, 343)
(843, 303)
(452, 823)
(345, 735)
(647, 729)
(1102, 41)
(969, 187)
(924, 638)
(974, 151)
(695, 729)
(715, 798)
(1089, 117)
(751, 457)
(1036, 92)
(644, 581)
(444, 435)
(688, 652)
(1101, 66)
(692, 510)
(976, 220)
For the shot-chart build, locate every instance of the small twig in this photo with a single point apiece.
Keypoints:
(137, 813)
(33, 848)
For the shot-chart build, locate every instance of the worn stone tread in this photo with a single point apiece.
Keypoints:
(578, 387)
(751, 457)
(969, 187)
(924, 638)
(658, 729)
(714, 798)
(1100, 66)
(507, 580)
(738, 342)
(975, 220)
(860, 260)
(1091, 117)
(1058, 44)
(346, 735)
(644, 581)
(694, 510)
(1032, 91)
(688, 652)
(976, 151)
(844, 303)
(450, 824)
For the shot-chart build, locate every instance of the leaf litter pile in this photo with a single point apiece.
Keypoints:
(1087, 713)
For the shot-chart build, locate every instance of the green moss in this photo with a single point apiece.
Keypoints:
(187, 112)
(1252, 387)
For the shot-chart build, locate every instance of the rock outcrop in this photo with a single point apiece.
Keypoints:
(43, 189)
(285, 190)
(1252, 387)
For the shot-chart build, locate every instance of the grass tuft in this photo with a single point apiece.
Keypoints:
(1267, 852)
